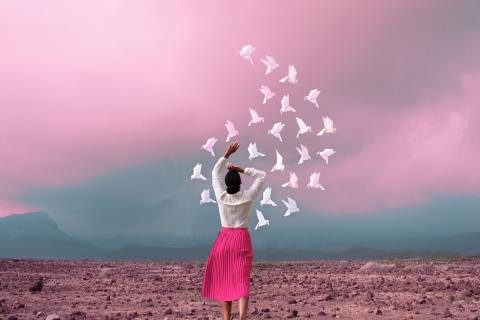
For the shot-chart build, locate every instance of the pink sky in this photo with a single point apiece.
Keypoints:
(92, 86)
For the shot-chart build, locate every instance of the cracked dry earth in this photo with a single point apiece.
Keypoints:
(87, 289)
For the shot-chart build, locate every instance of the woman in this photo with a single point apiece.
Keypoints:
(227, 269)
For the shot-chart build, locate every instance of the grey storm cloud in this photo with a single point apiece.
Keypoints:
(157, 204)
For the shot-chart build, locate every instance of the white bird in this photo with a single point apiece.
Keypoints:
(255, 117)
(208, 146)
(326, 153)
(270, 63)
(327, 126)
(304, 155)
(291, 206)
(261, 220)
(292, 75)
(205, 197)
(276, 129)
(267, 198)
(312, 96)
(253, 152)
(197, 172)
(279, 166)
(315, 181)
(292, 182)
(246, 52)
(232, 132)
(302, 127)
(267, 93)
(286, 107)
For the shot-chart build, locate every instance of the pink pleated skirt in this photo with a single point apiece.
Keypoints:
(227, 269)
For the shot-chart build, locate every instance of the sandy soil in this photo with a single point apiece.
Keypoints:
(86, 289)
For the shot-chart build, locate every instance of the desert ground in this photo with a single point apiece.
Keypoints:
(87, 289)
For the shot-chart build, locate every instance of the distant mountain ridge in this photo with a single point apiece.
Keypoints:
(36, 235)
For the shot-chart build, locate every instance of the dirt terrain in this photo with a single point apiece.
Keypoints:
(86, 289)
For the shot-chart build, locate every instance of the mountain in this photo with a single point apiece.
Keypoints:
(36, 235)
(466, 243)
(159, 253)
(201, 253)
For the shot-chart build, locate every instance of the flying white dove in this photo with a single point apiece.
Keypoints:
(205, 197)
(291, 206)
(279, 166)
(267, 198)
(286, 107)
(315, 181)
(255, 117)
(270, 63)
(327, 126)
(292, 182)
(302, 127)
(326, 153)
(312, 96)
(253, 152)
(276, 129)
(246, 52)
(232, 132)
(304, 155)
(267, 93)
(292, 75)
(208, 146)
(261, 220)
(197, 172)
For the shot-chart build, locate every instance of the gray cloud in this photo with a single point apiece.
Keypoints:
(157, 204)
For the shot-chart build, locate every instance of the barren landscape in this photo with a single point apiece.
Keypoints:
(87, 289)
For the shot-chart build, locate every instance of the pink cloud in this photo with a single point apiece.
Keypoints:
(89, 87)
(8, 207)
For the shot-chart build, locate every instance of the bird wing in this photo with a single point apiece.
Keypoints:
(267, 193)
(304, 150)
(292, 72)
(279, 157)
(254, 114)
(293, 178)
(229, 126)
(197, 169)
(301, 123)
(250, 149)
(327, 122)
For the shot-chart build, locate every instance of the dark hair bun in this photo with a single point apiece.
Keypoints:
(233, 189)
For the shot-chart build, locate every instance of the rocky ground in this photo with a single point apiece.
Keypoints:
(86, 289)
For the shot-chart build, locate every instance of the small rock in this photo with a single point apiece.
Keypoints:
(447, 314)
(37, 286)
(328, 297)
(53, 317)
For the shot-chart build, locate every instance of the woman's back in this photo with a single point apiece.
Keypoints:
(235, 208)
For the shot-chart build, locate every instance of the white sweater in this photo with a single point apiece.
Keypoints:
(235, 208)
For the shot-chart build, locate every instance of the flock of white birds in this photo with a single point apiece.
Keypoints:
(291, 205)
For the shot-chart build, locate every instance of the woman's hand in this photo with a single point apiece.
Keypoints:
(232, 167)
(231, 149)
